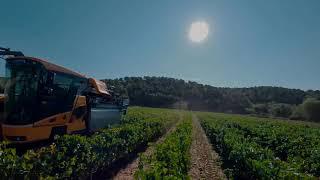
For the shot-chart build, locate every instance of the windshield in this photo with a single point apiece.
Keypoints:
(21, 91)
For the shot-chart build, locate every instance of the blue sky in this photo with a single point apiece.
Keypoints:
(250, 43)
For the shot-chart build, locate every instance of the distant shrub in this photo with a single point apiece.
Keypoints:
(298, 113)
(280, 110)
(308, 110)
(261, 109)
(312, 109)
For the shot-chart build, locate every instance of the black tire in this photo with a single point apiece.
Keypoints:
(87, 118)
(61, 130)
(125, 112)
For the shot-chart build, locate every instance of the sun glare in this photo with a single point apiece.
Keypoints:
(199, 31)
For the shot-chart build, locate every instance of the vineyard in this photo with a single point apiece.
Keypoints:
(169, 144)
(74, 156)
(264, 148)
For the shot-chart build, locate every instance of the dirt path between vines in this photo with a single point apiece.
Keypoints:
(128, 172)
(205, 162)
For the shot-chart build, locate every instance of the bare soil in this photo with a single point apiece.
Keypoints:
(205, 162)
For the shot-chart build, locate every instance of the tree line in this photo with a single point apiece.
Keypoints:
(177, 93)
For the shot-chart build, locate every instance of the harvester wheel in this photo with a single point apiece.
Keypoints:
(88, 119)
(61, 130)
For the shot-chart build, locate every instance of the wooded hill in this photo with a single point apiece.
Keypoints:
(177, 93)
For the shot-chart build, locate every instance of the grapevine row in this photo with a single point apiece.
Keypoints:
(171, 158)
(249, 146)
(74, 156)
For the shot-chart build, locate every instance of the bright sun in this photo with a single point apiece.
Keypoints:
(199, 31)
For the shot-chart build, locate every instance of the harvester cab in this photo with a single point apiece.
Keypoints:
(42, 99)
